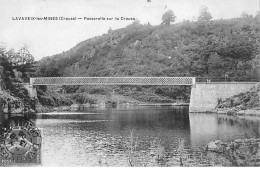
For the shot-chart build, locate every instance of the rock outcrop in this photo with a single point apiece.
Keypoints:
(247, 103)
(239, 152)
(242, 101)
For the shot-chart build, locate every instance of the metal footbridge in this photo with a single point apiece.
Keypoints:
(112, 81)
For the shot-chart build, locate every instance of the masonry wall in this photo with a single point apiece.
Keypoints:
(204, 96)
(31, 90)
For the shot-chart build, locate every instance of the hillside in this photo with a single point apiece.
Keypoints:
(217, 50)
(237, 104)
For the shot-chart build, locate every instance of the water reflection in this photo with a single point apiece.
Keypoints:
(103, 139)
(84, 139)
(208, 127)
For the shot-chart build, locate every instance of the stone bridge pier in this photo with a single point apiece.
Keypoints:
(33, 95)
(31, 90)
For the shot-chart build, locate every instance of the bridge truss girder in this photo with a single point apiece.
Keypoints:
(112, 81)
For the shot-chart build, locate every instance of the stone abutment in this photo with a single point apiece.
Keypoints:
(204, 96)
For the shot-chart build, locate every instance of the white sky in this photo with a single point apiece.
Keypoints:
(46, 38)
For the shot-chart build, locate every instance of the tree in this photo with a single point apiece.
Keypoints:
(204, 15)
(245, 15)
(257, 17)
(109, 30)
(215, 65)
(23, 56)
(16, 66)
(168, 17)
(136, 22)
(7, 73)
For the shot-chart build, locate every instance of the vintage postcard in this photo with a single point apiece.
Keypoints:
(129, 83)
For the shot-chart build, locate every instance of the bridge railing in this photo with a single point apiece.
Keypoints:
(112, 81)
(209, 79)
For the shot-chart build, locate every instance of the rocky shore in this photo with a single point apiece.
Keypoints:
(240, 152)
(247, 103)
(239, 112)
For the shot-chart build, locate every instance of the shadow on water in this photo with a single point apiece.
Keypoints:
(133, 118)
(16, 119)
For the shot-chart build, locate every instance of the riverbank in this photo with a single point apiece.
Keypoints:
(82, 107)
(240, 152)
(84, 101)
(163, 104)
(243, 104)
(59, 96)
(237, 112)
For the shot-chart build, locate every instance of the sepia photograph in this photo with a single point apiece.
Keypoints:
(129, 83)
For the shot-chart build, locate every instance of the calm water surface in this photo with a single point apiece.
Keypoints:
(141, 136)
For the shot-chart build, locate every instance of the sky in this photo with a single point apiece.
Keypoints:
(46, 37)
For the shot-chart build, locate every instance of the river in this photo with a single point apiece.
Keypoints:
(137, 136)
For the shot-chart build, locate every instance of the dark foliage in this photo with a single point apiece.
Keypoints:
(15, 68)
(223, 49)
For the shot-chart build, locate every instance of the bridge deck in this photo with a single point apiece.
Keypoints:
(112, 81)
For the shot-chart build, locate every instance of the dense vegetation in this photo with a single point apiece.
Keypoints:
(15, 67)
(216, 50)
